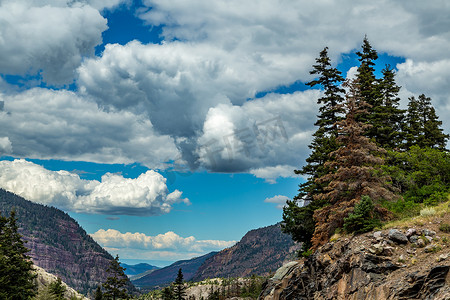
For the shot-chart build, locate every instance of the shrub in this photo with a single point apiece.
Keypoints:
(363, 218)
(306, 253)
(444, 227)
(403, 208)
(427, 211)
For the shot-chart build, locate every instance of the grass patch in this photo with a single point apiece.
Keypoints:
(427, 216)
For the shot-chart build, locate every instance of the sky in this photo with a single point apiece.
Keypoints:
(168, 129)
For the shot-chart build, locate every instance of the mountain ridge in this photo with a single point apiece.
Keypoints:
(58, 244)
(259, 252)
(168, 274)
(131, 270)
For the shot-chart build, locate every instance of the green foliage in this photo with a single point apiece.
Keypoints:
(115, 284)
(57, 289)
(98, 294)
(44, 294)
(55, 228)
(344, 163)
(423, 125)
(16, 268)
(167, 294)
(363, 218)
(422, 174)
(179, 289)
(298, 221)
(306, 253)
(369, 91)
(214, 295)
(402, 208)
(387, 121)
(252, 289)
(444, 227)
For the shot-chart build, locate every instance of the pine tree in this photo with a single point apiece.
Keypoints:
(167, 294)
(354, 171)
(369, 91)
(98, 294)
(16, 268)
(298, 221)
(412, 123)
(57, 289)
(179, 288)
(389, 119)
(423, 125)
(362, 219)
(115, 284)
(324, 141)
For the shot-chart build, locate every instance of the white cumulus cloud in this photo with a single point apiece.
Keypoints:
(278, 199)
(168, 245)
(192, 91)
(47, 37)
(42, 123)
(265, 136)
(5, 146)
(114, 194)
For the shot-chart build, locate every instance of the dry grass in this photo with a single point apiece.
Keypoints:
(427, 215)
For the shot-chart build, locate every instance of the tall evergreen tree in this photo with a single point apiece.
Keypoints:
(115, 284)
(370, 91)
(16, 267)
(324, 141)
(354, 171)
(389, 119)
(412, 123)
(167, 293)
(57, 289)
(423, 125)
(298, 221)
(98, 294)
(179, 290)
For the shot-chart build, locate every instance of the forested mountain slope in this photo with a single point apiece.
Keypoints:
(57, 243)
(259, 252)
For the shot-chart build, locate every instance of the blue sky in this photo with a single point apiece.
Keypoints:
(169, 129)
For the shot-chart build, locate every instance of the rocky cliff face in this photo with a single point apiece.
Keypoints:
(411, 263)
(58, 244)
(259, 252)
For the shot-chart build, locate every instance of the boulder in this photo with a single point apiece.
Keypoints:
(410, 232)
(398, 237)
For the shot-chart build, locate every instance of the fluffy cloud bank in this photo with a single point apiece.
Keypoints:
(43, 123)
(261, 136)
(189, 96)
(114, 194)
(278, 199)
(47, 37)
(162, 246)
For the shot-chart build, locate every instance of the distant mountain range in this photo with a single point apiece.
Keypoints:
(58, 244)
(260, 252)
(168, 274)
(131, 270)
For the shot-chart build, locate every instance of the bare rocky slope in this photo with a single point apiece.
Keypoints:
(407, 262)
(44, 279)
(58, 244)
(259, 252)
